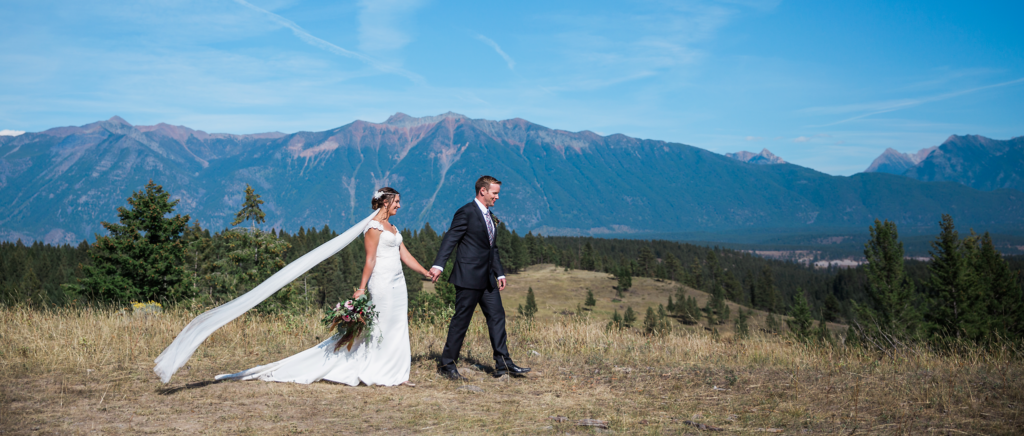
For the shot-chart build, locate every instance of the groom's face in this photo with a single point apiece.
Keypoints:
(490, 194)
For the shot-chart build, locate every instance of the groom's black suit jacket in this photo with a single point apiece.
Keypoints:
(477, 265)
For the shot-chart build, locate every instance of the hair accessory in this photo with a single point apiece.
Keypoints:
(377, 195)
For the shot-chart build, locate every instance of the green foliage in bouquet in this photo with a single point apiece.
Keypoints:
(352, 320)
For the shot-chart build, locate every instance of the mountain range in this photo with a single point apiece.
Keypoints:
(765, 157)
(976, 161)
(894, 162)
(57, 185)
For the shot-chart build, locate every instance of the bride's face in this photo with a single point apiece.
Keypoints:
(395, 205)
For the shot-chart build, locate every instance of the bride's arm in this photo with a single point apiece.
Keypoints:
(370, 239)
(411, 262)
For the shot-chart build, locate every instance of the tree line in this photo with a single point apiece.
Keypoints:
(968, 289)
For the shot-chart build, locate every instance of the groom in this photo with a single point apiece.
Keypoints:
(478, 277)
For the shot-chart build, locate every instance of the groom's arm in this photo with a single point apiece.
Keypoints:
(460, 222)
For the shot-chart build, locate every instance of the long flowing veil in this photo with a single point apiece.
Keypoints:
(186, 343)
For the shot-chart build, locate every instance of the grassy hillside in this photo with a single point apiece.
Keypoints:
(558, 292)
(87, 371)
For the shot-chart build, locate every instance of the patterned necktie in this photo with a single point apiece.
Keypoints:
(490, 228)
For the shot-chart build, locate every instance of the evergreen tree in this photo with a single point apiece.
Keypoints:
(656, 323)
(590, 301)
(689, 312)
(696, 275)
(250, 209)
(822, 333)
(647, 262)
(709, 313)
(616, 322)
(587, 261)
(625, 280)
(32, 289)
(802, 321)
(852, 338)
(742, 330)
(772, 324)
(141, 258)
(671, 306)
(629, 317)
(954, 287)
(832, 309)
(1001, 292)
(715, 272)
(531, 305)
(767, 296)
(672, 267)
(891, 316)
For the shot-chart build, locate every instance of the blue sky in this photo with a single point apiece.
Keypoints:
(828, 85)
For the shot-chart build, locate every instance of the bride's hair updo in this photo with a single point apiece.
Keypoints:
(383, 196)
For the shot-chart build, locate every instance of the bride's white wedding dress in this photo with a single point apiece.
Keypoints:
(382, 359)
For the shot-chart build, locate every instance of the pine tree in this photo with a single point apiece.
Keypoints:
(832, 309)
(625, 280)
(590, 301)
(656, 322)
(647, 262)
(822, 333)
(709, 313)
(715, 272)
(629, 317)
(32, 289)
(767, 295)
(772, 324)
(852, 337)
(650, 321)
(531, 305)
(672, 267)
(1001, 291)
(616, 322)
(954, 287)
(250, 209)
(742, 330)
(696, 275)
(587, 261)
(802, 321)
(141, 258)
(891, 315)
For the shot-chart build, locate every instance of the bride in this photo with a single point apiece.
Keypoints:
(384, 358)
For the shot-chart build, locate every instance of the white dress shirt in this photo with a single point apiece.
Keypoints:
(485, 212)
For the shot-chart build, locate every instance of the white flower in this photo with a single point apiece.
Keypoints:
(377, 195)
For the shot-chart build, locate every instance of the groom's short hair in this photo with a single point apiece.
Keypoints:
(485, 182)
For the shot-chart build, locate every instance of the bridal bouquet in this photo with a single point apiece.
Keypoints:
(353, 319)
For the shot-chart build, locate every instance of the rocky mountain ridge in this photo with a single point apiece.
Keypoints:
(57, 185)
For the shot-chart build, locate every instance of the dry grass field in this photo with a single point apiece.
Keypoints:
(86, 371)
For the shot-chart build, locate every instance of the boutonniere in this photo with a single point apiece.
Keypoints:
(494, 218)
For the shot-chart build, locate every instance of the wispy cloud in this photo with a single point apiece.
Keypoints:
(801, 139)
(876, 108)
(327, 46)
(753, 138)
(382, 24)
(508, 59)
(6, 132)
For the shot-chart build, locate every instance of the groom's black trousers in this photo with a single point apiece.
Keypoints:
(466, 301)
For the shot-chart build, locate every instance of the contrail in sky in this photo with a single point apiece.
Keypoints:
(895, 105)
(508, 59)
(324, 45)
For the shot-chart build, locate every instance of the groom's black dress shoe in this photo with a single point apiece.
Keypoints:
(452, 374)
(502, 368)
